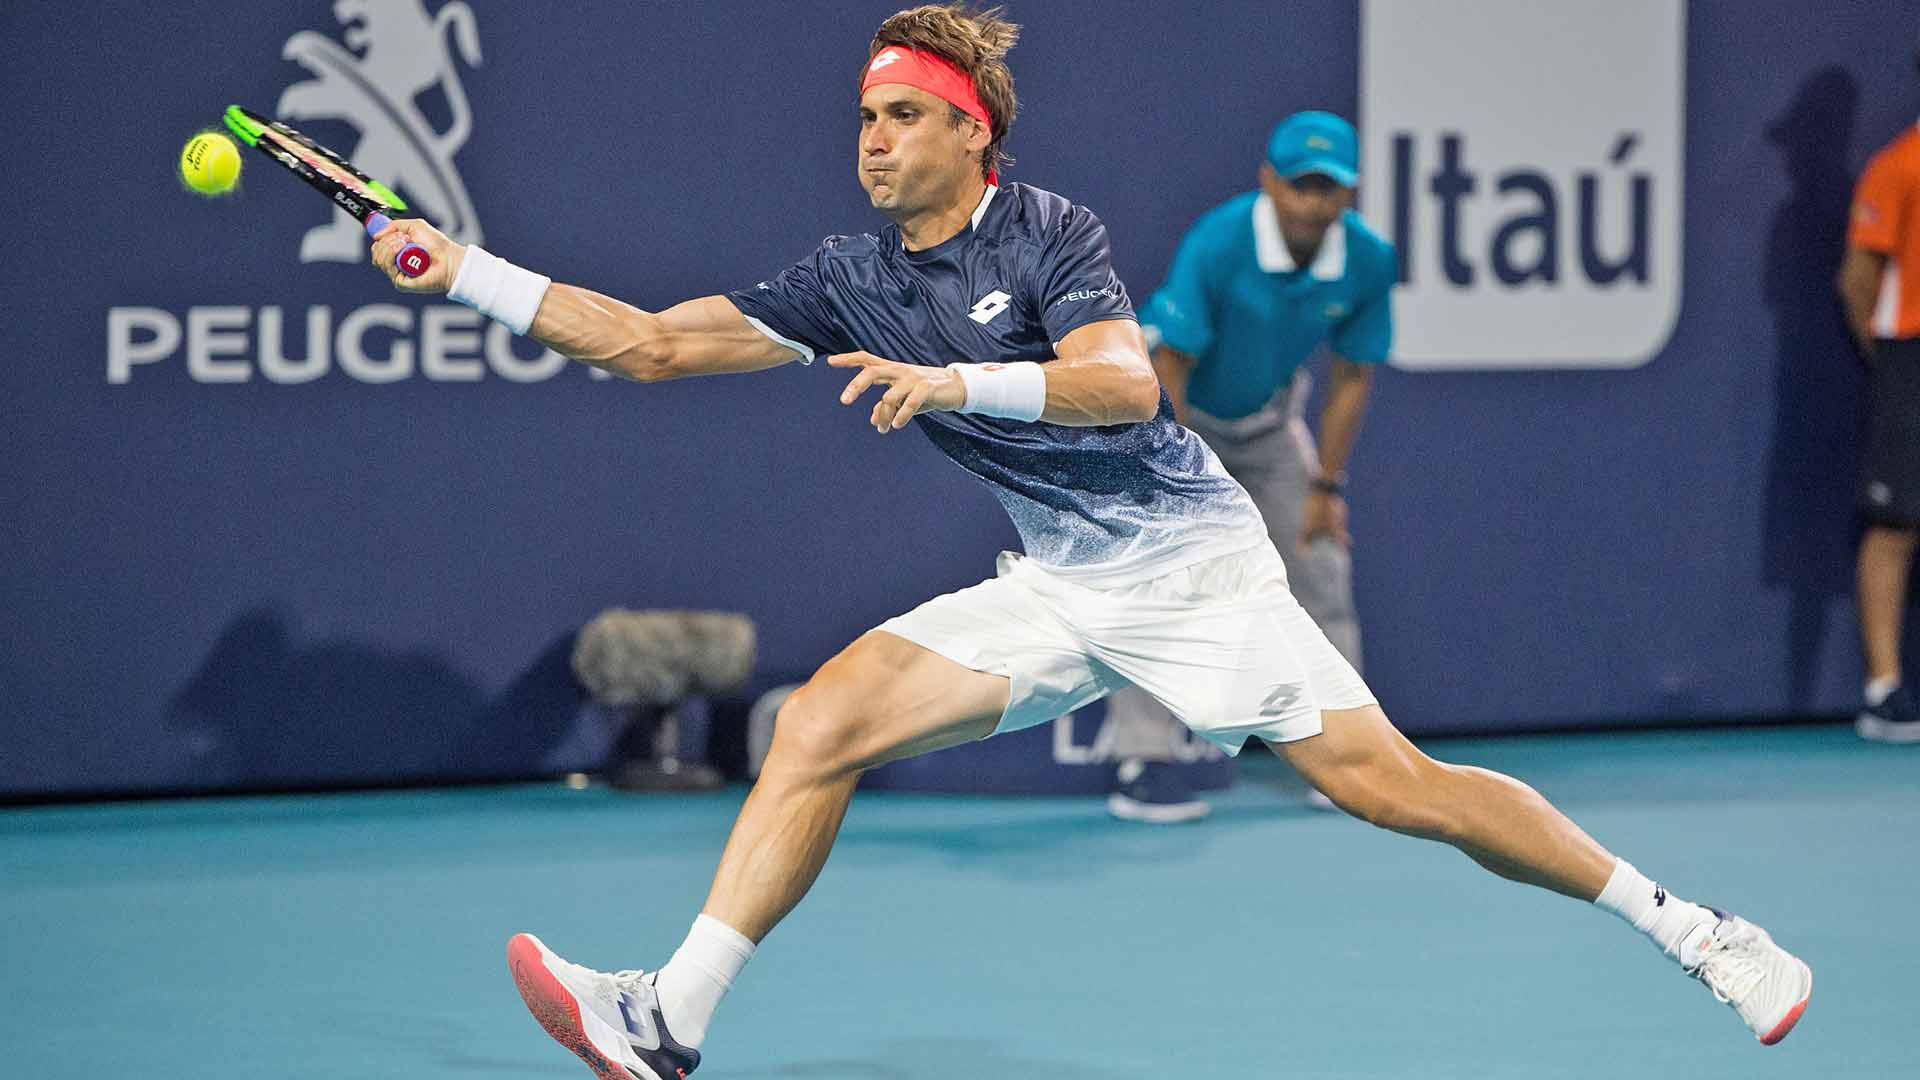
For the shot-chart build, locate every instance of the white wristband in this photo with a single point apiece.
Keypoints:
(1011, 391)
(498, 289)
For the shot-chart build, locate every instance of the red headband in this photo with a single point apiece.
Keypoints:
(897, 64)
(934, 74)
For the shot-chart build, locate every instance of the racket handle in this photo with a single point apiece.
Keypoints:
(413, 259)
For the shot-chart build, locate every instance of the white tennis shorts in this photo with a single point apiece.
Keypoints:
(1221, 643)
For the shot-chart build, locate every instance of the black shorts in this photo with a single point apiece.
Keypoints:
(1890, 486)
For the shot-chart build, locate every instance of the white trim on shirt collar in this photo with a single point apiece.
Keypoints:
(981, 210)
(978, 212)
(1270, 248)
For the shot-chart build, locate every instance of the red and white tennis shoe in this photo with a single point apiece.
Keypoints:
(1767, 985)
(611, 1019)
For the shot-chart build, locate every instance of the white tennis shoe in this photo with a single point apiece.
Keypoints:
(612, 1020)
(1767, 985)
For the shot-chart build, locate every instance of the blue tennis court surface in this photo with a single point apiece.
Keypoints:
(362, 936)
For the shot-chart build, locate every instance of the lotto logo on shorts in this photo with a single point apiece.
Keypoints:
(1540, 237)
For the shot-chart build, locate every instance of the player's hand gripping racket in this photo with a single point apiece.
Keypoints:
(358, 194)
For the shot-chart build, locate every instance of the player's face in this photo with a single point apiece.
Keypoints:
(913, 160)
(1306, 205)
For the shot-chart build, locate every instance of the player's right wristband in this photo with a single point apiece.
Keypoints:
(1011, 391)
(498, 289)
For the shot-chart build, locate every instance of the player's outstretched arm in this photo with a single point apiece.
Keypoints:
(707, 336)
(1100, 376)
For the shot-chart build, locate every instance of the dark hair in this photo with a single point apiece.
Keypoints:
(974, 41)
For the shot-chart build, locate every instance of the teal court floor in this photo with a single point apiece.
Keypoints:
(361, 936)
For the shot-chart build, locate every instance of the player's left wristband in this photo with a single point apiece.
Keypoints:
(498, 289)
(1010, 391)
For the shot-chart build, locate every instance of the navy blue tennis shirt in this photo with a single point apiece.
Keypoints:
(1098, 504)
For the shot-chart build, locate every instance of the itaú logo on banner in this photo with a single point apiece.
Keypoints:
(1526, 160)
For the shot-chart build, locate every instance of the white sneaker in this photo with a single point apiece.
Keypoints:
(612, 1020)
(1767, 985)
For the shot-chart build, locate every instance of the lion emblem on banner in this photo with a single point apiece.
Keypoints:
(393, 52)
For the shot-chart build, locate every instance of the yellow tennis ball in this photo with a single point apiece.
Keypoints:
(210, 163)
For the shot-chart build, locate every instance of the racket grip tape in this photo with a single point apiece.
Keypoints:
(413, 259)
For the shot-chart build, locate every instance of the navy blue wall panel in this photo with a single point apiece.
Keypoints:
(206, 583)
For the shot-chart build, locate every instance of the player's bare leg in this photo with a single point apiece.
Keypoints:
(880, 699)
(1371, 771)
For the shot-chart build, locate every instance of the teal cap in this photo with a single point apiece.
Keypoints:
(1315, 142)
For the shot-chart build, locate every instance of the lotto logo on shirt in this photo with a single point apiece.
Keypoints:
(1526, 161)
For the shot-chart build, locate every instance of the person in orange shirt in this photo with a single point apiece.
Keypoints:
(1880, 285)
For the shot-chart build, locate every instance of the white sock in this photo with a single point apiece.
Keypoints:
(699, 975)
(1878, 689)
(1670, 921)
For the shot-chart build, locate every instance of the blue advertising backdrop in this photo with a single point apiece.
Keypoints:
(267, 521)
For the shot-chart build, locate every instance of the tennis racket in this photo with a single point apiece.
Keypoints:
(367, 199)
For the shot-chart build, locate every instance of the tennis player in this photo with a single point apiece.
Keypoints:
(990, 312)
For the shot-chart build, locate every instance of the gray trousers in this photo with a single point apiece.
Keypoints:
(1271, 453)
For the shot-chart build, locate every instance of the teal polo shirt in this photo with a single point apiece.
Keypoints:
(1237, 304)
